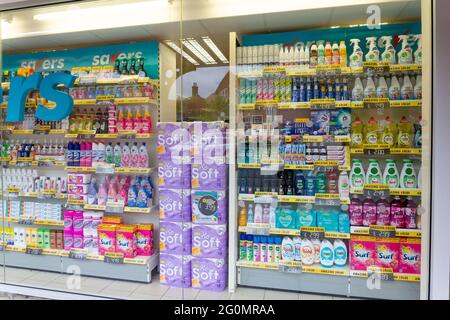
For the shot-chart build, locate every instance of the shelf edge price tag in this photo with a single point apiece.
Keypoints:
(113, 257)
(34, 250)
(290, 267)
(78, 254)
(385, 274)
(312, 233)
(382, 231)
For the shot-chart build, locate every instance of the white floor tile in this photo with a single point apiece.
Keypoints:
(154, 288)
(306, 296)
(182, 293)
(280, 295)
(248, 294)
(212, 295)
(125, 286)
(44, 276)
(136, 296)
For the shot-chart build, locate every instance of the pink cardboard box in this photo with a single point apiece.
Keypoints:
(362, 252)
(387, 253)
(409, 259)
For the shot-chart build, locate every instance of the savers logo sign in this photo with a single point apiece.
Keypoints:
(21, 87)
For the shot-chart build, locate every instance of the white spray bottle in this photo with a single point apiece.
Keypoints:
(405, 55)
(389, 52)
(418, 53)
(374, 54)
(356, 58)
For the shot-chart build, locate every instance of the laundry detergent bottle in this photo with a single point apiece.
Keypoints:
(373, 175)
(408, 177)
(357, 175)
(340, 253)
(326, 254)
(390, 175)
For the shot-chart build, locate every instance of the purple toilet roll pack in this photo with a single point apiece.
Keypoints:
(209, 207)
(175, 204)
(212, 176)
(174, 141)
(173, 176)
(175, 270)
(175, 237)
(208, 140)
(209, 241)
(209, 274)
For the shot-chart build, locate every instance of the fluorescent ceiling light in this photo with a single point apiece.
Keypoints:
(183, 53)
(335, 27)
(198, 50)
(215, 49)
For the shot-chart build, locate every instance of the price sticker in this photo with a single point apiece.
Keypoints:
(33, 250)
(113, 257)
(312, 233)
(384, 274)
(77, 254)
(382, 231)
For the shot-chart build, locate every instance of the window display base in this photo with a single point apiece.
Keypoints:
(327, 284)
(93, 268)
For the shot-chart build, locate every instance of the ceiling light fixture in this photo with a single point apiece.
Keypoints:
(215, 49)
(171, 44)
(199, 52)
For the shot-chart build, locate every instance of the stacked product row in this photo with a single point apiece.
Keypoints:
(20, 237)
(29, 181)
(192, 178)
(31, 210)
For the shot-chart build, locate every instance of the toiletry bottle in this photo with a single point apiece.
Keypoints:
(328, 54)
(314, 56)
(408, 178)
(369, 212)
(418, 88)
(382, 89)
(383, 211)
(357, 133)
(388, 135)
(321, 59)
(370, 90)
(357, 175)
(358, 90)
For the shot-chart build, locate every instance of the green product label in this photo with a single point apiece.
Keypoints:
(250, 252)
(243, 251)
(388, 138)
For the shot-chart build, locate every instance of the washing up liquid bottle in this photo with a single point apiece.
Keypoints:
(389, 52)
(358, 90)
(418, 88)
(388, 134)
(356, 58)
(373, 175)
(357, 133)
(342, 54)
(321, 54)
(357, 175)
(371, 131)
(407, 90)
(405, 55)
(138, 122)
(374, 53)
(408, 178)
(418, 53)
(382, 89)
(404, 133)
(370, 90)
(394, 89)
(129, 123)
(121, 123)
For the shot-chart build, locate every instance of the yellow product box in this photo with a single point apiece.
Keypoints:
(112, 220)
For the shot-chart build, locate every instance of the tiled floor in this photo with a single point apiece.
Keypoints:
(138, 291)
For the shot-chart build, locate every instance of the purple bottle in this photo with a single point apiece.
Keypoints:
(369, 212)
(356, 209)
(76, 154)
(70, 154)
(397, 213)
(410, 211)
(383, 212)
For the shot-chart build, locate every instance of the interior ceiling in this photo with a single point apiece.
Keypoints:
(218, 29)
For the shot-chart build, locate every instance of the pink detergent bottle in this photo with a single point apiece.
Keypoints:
(143, 156)
(369, 212)
(383, 212)
(102, 195)
(82, 154)
(88, 156)
(410, 211)
(147, 123)
(397, 213)
(123, 194)
(356, 209)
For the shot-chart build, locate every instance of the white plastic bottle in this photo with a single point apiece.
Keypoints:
(418, 88)
(418, 53)
(357, 175)
(373, 175)
(408, 178)
(297, 248)
(287, 249)
(321, 54)
(143, 156)
(405, 55)
(117, 155)
(389, 52)
(369, 90)
(358, 90)
(316, 245)
(340, 253)
(344, 185)
(394, 89)
(407, 90)
(126, 156)
(382, 89)
(390, 175)
(258, 213)
(356, 58)
(374, 54)
(326, 254)
(307, 252)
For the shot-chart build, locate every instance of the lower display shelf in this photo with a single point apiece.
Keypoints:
(355, 287)
(137, 269)
(317, 269)
(289, 232)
